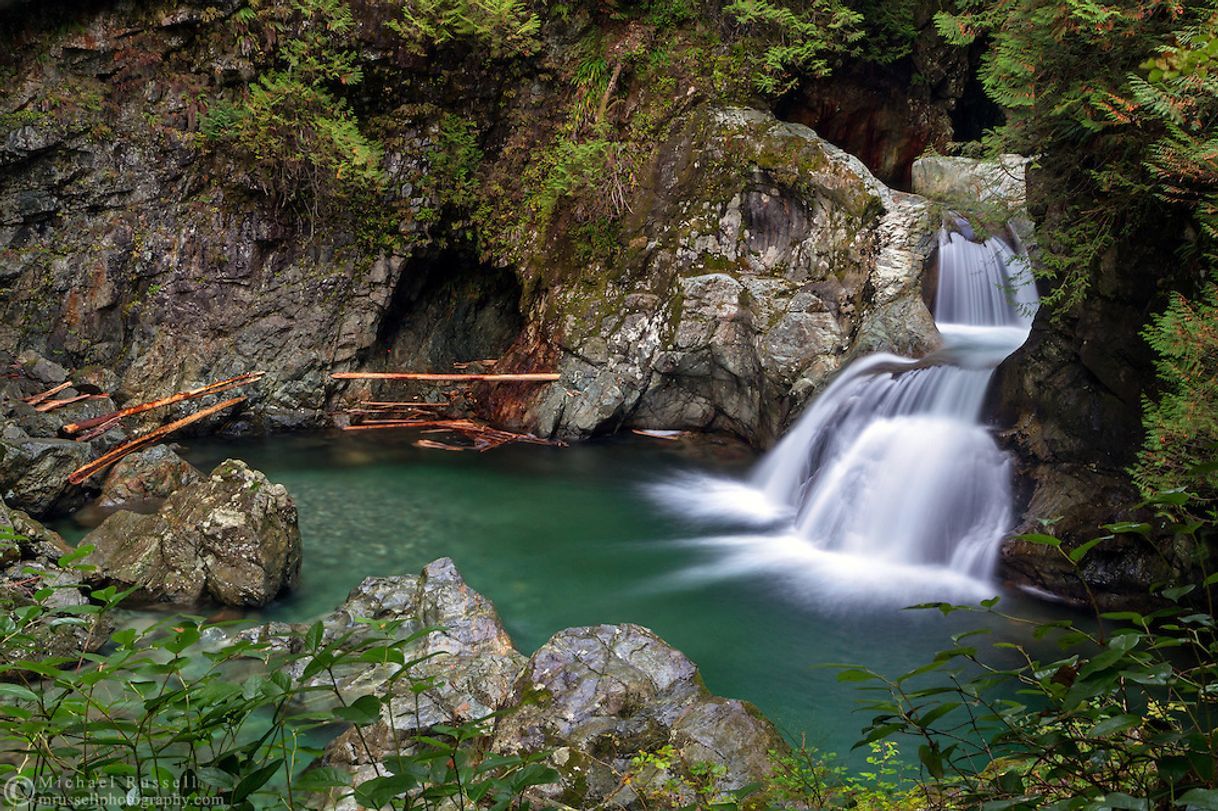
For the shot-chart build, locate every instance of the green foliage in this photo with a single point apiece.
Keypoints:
(803, 39)
(665, 14)
(1182, 423)
(1120, 101)
(299, 146)
(171, 714)
(454, 160)
(1062, 71)
(805, 778)
(890, 28)
(1124, 718)
(575, 167)
(290, 136)
(504, 27)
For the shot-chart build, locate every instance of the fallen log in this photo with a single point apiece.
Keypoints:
(51, 392)
(202, 391)
(530, 377)
(51, 405)
(453, 425)
(104, 461)
(399, 404)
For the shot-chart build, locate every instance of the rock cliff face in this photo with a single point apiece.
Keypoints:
(759, 258)
(755, 255)
(1069, 404)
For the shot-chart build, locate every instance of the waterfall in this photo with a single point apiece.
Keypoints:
(891, 464)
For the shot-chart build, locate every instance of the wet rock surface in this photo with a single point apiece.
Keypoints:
(142, 481)
(230, 539)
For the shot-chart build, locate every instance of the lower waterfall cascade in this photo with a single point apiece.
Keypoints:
(891, 465)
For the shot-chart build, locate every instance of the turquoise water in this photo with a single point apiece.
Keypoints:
(560, 537)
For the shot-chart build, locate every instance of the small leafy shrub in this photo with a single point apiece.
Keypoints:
(596, 171)
(289, 135)
(1124, 718)
(298, 145)
(1182, 423)
(803, 38)
(805, 778)
(454, 160)
(182, 713)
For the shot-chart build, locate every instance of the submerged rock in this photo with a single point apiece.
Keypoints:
(231, 538)
(594, 698)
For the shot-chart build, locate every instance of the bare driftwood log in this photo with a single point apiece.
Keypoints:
(51, 405)
(483, 436)
(94, 433)
(104, 461)
(202, 391)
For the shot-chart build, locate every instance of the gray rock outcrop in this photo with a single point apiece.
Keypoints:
(231, 539)
(760, 258)
(594, 698)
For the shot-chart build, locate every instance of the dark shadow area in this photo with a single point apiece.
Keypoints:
(875, 113)
(448, 308)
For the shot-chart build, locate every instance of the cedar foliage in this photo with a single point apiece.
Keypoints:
(1120, 101)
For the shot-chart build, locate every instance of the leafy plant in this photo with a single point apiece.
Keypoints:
(1182, 423)
(1124, 718)
(289, 135)
(504, 27)
(802, 39)
(171, 713)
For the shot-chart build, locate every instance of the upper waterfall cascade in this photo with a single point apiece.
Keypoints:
(891, 463)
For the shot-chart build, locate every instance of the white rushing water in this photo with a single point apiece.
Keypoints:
(891, 466)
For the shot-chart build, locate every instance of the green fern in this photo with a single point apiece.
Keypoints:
(806, 39)
(1182, 423)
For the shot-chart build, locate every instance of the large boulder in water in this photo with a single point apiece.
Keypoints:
(467, 669)
(231, 539)
(597, 697)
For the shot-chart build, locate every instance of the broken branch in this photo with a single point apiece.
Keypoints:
(211, 388)
(51, 392)
(51, 405)
(99, 464)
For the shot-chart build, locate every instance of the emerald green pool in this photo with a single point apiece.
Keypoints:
(560, 537)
